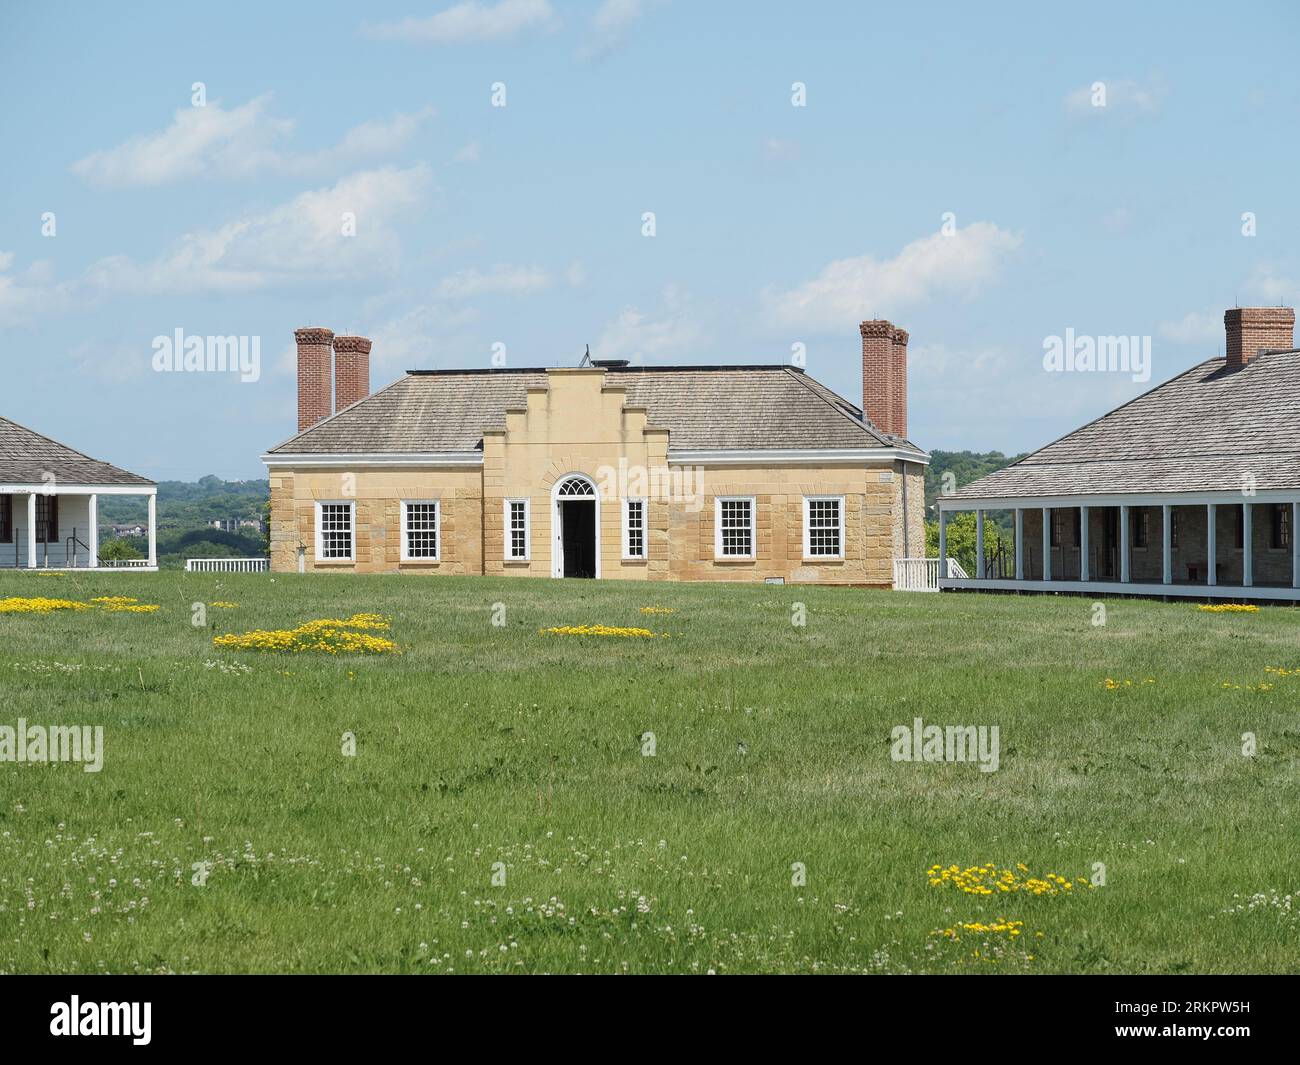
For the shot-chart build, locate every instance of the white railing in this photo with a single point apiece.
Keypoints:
(227, 565)
(922, 574)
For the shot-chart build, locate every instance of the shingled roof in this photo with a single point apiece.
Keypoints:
(1202, 431)
(27, 457)
(702, 407)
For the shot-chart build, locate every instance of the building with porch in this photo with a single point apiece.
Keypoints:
(49, 504)
(603, 470)
(1191, 489)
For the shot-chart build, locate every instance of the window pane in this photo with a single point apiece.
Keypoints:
(636, 528)
(518, 529)
(336, 530)
(824, 527)
(737, 527)
(422, 530)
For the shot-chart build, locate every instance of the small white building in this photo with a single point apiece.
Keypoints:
(1191, 489)
(49, 504)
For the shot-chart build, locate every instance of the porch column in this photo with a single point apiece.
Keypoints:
(1047, 543)
(1247, 547)
(153, 530)
(1166, 544)
(31, 531)
(943, 544)
(1020, 544)
(1211, 544)
(93, 539)
(1295, 547)
(979, 545)
(1123, 545)
(1084, 568)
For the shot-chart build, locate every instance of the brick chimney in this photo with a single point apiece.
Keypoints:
(315, 375)
(899, 337)
(351, 370)
(884, 375)
(1251, 330)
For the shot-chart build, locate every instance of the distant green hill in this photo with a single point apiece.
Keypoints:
(185, 509)
(965, 466)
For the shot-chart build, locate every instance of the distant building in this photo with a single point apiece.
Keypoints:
(49, 503)
(1191, 489)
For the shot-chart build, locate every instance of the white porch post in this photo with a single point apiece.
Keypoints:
(93, 539)
(1047, 543)
(1084, 568)
(943, 543)
(1124, 539)
(979, 544)
(1167, 544)
(1020, 544)
(1211, 544)
(1247, 547)
(31, 531)
(153, 530)
(1295, 547)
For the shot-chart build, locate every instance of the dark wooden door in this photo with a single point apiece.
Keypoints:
(579, 529)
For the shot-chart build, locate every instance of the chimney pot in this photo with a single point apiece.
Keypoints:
(351, 370)
(1250, 330)
(314, 375)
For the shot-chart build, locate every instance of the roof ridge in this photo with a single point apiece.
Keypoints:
(331, 417)
(1024, 459)
(67, 447)
(867, 426)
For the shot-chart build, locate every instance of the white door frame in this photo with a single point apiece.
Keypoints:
(557, 522)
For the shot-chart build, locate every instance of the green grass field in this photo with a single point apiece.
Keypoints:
(484, 749)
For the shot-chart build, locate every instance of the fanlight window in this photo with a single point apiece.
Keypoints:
(576, 487)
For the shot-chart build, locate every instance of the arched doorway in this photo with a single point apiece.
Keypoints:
(575, 525)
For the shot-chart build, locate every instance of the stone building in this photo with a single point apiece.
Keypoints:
(606, 470)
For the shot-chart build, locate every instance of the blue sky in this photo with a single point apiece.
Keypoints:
(522, 224)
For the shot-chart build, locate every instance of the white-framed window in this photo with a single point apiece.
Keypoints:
(518, 529)
(421, 530)
(336, 531)
(634, 528)
(733, 526)
(823, 526)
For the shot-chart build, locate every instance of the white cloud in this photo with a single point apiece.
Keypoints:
(237, 144)
(776, 150)
(468, 154)
(424, 335)
(299, 241)
(504, 278)
(467, 284)
(1122, 96)
(611, 24)
(26, 295)
(470, 21)
(848, 290)
(1195, 327)
(673, 330)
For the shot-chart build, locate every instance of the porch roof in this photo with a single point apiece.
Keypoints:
(28, 457)
(1205, 430)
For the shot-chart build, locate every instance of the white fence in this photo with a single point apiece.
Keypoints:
(227, 565)
(922, 574)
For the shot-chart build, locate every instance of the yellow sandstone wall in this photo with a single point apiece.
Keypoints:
(378, 495)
